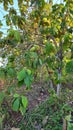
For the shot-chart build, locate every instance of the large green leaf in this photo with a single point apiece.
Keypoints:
(21, 75)
(24, 101)
(28, 80)
(28, 72)
(15, 105)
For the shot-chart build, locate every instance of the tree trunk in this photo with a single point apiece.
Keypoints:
(59, 85)
(64, 124)
(51, 84)
(58, 89)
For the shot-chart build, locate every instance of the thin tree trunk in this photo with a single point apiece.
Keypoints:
(51, 84)
(60, 56)
(64, 124)
(58, 89)
(59, 85)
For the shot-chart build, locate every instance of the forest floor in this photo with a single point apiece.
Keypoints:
(37, 95)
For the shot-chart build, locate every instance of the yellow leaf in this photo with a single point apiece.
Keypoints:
(44, 19)
(35, 25)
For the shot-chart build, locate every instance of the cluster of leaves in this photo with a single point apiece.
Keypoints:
(25, 77)
(19, 103)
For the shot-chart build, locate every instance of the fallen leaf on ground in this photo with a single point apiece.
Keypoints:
(15, 128)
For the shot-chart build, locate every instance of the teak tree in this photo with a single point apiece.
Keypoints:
(41, 34)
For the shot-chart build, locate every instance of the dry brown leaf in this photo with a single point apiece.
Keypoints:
(15, 128)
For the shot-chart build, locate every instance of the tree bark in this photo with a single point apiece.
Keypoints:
(64, 124)
(59, 85)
